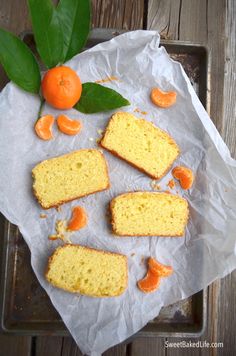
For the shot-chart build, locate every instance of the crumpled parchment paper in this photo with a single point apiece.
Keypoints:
(207, 251)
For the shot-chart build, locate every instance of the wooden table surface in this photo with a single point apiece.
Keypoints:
(213, 24)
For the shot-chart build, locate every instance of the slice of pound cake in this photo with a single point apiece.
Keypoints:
(74, 175)
(148, 214)
(140, 143)
(84, 270)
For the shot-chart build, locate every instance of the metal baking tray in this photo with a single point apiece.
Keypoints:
(25, 306)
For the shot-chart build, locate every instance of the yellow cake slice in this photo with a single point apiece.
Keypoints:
(149, 214)
(140, 143)
(68, 177)
(87, 271)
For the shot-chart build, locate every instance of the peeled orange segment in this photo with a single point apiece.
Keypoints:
(158, 268)
(163, 99)
(149, 283)
(184, 175)
(68, 126)
(78, 220)
(43, 127)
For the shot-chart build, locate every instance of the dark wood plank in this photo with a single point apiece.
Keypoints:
(118, 350)
(15, 345)
(69, 348)
(163, 16)
(120, 14)
(211, 23)
(229, 114)
(148, 347)
(47, 345)
(226, 315)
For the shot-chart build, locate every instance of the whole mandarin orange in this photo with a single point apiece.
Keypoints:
(61, 87)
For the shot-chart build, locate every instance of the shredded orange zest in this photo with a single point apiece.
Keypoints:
(43, 127)
(78, 220)
(163, 99)
(68, 126)
(184, 175)
(149, 283)
(105, 80)
(140, 111)
(158, 268)
(171, 184)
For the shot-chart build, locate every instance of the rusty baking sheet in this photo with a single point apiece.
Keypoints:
(25, 306)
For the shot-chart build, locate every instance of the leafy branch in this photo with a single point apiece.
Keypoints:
(60, 32)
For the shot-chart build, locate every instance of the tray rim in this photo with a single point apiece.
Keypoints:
(102, 35)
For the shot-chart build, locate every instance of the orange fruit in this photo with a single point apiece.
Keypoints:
(78, 220)
(184, 175)
(149, 283)
(163, 99)
(158, 268)
(61, 87)
(68, 126)
(43, 127)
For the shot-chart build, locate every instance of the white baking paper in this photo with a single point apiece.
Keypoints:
(207, 251)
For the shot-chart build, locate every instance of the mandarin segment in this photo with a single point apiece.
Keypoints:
(68, 126)
(158, 268)
(163, 99)
(78, 220)
(184, 175)
(43, 127)
(149, 283)
(61, 87)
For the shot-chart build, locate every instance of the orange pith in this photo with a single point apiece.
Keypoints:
(78, 220)
(68, 126)
(61, 87)
(43, 127)
(163, 99)
(184, 175)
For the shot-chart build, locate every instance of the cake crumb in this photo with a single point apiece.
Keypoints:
(132, 254)
(91, 139)
(171, 184)
(58, 209)
(154, 185)
(100, 131)
(43, 216)
(140, 111)
(142, 260)
(61, 232)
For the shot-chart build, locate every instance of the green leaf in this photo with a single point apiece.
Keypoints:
(19, 63)
(75, 20)
(47, 31)
(97, 98)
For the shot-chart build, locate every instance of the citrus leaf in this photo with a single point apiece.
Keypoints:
(19, 62)
(97, 98)
(47, 31)
(75, 20)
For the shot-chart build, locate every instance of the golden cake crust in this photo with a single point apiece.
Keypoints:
(54, 254)
(142, 169)
(118, 234)
(63, 201)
